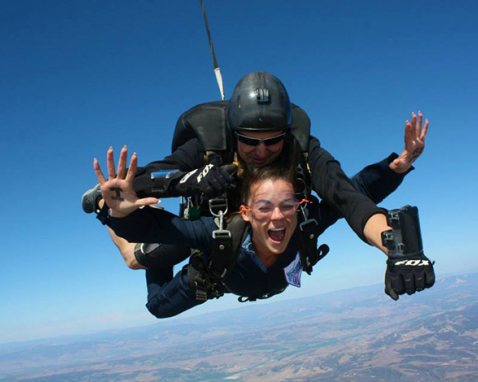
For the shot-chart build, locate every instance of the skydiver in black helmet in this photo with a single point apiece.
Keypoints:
(257, 127)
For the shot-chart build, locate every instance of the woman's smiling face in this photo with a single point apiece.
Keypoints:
(272, 213)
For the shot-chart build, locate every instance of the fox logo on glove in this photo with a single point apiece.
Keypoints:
(413, 263)
(204, 172)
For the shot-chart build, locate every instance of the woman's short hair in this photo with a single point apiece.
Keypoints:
(272, 172)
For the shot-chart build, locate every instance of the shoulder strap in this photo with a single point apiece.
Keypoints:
(207, 122)
(300, 128)
(227, 245)
(239, 230)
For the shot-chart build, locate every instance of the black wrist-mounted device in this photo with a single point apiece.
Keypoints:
(404, 239)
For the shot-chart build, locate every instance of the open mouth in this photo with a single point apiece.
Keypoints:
(276, 234)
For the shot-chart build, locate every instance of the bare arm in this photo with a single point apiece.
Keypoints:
(373, 229)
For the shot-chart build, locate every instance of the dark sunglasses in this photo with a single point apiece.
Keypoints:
(256, 141)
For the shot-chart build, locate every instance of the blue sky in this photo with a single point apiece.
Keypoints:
(79, 76)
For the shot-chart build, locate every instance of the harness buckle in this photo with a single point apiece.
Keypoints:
(218, 206)
(308, 225)
(221, 234)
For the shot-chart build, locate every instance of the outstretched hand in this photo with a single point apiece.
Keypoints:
(415, 134)
(117, 190)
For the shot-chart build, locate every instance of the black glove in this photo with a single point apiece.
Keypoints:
(209, 180)
(408, 275)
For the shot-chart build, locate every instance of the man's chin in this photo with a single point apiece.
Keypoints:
(260, 162)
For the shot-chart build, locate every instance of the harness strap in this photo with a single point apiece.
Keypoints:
(205, 285)
(220, 261)
(308, 236)
(308, 244)
(207, 278)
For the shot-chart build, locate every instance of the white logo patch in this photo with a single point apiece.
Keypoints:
(293, 272)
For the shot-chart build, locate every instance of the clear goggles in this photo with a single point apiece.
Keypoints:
(264, 209)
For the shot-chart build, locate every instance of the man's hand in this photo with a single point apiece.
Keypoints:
(209, 180)
(117, 191)
(408, 275)
(415, 136)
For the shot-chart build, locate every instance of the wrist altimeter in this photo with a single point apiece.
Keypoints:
(404, 240)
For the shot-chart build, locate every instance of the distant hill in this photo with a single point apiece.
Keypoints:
(353, 335)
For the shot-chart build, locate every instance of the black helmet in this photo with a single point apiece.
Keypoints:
(259, 103)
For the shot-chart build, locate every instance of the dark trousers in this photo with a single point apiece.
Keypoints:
(167, 298)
